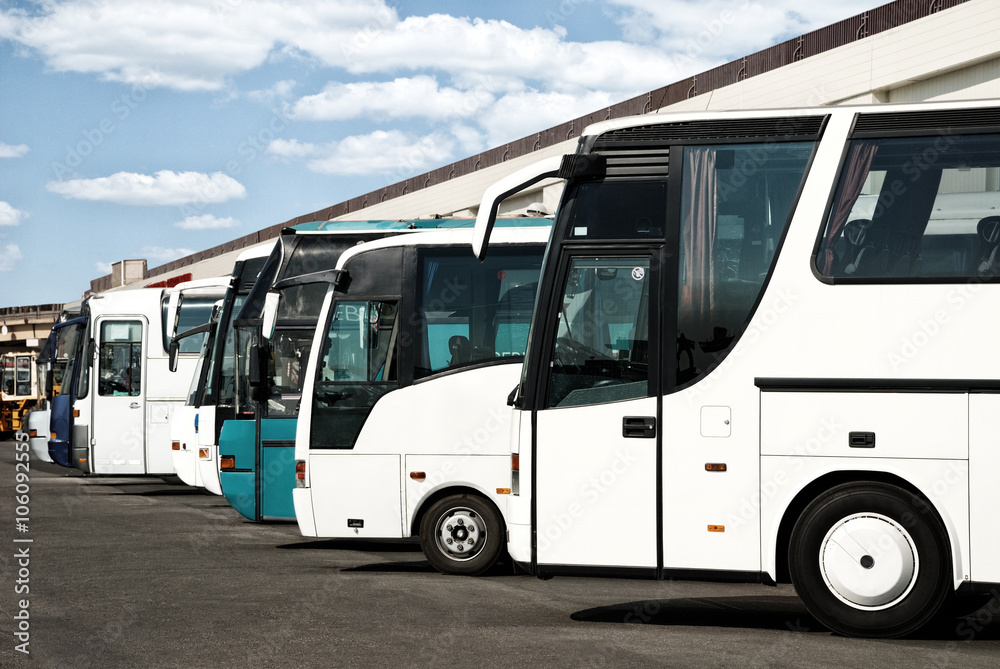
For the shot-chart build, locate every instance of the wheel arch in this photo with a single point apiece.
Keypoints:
(429, 500)
(827, 482)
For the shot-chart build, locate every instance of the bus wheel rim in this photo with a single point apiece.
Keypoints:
(869, 561)
(460, 534)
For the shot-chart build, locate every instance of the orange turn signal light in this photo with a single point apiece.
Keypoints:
(175, 445)
(716, 528)
(203, 454)
(227, 462)
(76, 413)
(32, 433)
(418, 476)
(715, 466)
(503, 491)
(515, 462)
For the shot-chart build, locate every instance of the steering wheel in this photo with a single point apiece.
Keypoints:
(571, 352)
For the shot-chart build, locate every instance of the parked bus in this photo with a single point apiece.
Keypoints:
(66, 338)
(196, 335)
(761, 363)
(257, 470)
(404, 427)
(119, 392)
(18, 389)
(210, 401)
(38, 416)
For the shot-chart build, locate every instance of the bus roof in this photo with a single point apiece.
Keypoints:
(533, 232)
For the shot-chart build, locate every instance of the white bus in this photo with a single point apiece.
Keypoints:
(186, 317)
(762, 351)
(122, 392)
(403, 428)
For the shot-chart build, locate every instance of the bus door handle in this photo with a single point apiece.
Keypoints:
(639, 427)
(133, 405)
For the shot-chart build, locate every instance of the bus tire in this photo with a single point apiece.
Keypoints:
(893, 575)
(462, 534)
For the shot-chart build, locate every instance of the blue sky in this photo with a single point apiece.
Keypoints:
(138, 129)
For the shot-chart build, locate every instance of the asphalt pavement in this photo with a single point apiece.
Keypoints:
(109, 572)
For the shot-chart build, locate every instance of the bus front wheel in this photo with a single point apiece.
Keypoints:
(461, 534)
(871, 560)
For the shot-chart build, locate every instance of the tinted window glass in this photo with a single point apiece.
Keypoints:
(470, 312)
(918, 208)
(736, 201)
(120, 370)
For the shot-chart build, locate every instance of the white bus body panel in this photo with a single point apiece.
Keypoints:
(461, 442)
(208, 467)
(38, 420)
(185, 458)
(597, 483)
(984, 497)
(354, 488)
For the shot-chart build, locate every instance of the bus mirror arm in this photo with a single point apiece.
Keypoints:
(504, 188)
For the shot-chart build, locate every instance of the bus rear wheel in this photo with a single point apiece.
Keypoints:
(870, 560)
(461, 534)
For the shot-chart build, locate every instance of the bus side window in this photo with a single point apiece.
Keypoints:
(602, 340)
(359, 367)
(895, 216)
(735, 204)
(120, 368)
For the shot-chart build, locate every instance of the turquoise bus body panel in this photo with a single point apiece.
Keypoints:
(237, 439)
(277, 467)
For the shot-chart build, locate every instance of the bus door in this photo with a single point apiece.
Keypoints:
(597, 417)
(118, 423)
(69, 368)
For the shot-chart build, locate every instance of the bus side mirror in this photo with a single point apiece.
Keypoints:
(260, 358)
(269, 314)
(175, 347)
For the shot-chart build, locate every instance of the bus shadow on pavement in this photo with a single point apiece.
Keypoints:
(368, 545)
(778, 613)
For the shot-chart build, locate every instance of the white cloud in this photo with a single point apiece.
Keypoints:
(705, 33)
(161, 254)
(206, 222)
(163, 188)
(521, 114)
(183, 44)
(12, 150)
(194, 45)
(382, 152)
(10, 255)
(401, 98)
(9, 215)
(279, 91)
